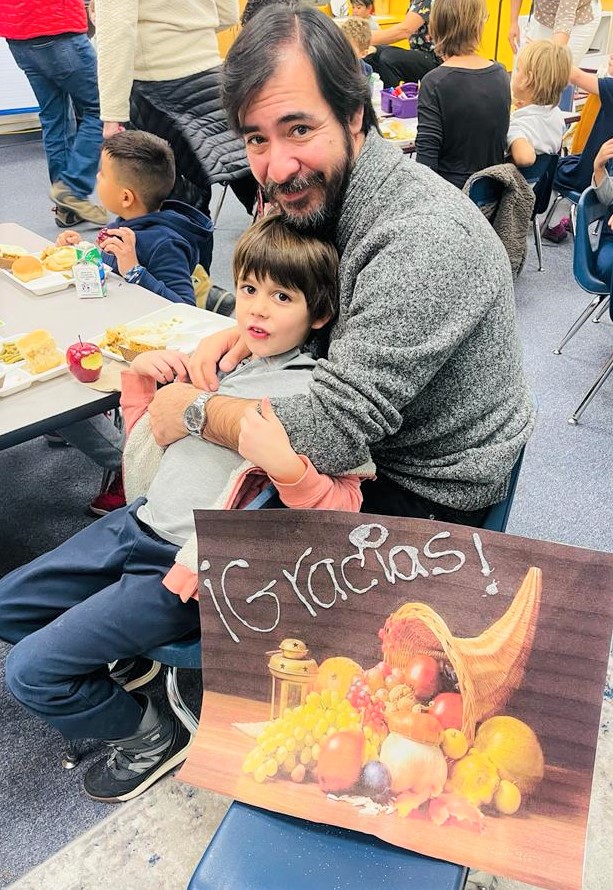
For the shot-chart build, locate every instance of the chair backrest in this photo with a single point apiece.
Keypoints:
(591, 223)
(486, 192)
(540, 176)
(567, 98)
(575, 171)
(498, 515)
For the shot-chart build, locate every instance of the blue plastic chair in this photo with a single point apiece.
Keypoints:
(592, 218)
(486, 192)
(540, 176)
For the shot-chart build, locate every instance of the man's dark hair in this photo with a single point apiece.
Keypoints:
(144, 163)
(254, 56)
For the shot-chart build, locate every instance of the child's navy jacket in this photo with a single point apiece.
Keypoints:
(169, 244)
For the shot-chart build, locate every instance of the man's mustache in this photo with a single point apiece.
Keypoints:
(291, 186)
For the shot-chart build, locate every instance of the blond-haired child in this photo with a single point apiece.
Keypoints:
(537, 125)
(358, 33)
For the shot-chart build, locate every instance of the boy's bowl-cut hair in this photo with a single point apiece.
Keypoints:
(357, 31)
(367, 4)
(456, 26)
(545, 67)
(143, 163)
(272, 249)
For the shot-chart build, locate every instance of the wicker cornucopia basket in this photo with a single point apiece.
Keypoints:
(489, 667)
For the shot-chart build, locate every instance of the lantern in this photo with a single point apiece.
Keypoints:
(292, 676)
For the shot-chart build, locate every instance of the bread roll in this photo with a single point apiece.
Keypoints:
(40, 351)
(27, 268)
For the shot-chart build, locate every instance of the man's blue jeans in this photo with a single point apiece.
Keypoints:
(96, 598)
(62, 73)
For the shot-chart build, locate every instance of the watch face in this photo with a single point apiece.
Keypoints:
(193, 417)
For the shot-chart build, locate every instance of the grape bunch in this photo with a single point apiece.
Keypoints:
(371, 707)
(290, 745)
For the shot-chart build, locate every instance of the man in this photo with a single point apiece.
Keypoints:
(51, 46)
(424, 365)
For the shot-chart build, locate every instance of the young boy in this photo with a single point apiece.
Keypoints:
(537, 125)
(357, 32)
(109, 592)
(365, 9)
(154, 242)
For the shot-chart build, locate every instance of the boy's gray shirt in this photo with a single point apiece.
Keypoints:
(424, 370)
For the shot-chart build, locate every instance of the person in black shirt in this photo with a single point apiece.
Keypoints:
(464, 104)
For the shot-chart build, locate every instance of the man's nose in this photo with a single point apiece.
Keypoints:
(282, 165)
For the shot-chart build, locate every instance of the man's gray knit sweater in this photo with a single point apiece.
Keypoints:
(424, 369)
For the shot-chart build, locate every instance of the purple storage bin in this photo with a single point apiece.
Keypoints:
(386, 101)
(404, 108)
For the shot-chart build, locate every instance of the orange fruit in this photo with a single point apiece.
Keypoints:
(336, 674)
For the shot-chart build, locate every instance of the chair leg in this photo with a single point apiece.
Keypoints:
(580, 321)
(70, 754)
(176, 702)
(602, 310)
(538, 242)
(595, 387)
(549, 213)
(573, 219)
(220, 203)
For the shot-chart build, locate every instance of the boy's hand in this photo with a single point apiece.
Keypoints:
(164, 365)
(225, 350)
(605, 153)
(121, 243)
(67, 238)
(263, 441)
(109, 128)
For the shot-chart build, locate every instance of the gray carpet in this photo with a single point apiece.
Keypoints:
(564, 494)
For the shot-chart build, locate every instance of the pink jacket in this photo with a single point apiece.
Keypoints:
(313, 491)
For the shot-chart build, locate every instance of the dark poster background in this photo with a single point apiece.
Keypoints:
(469, 578)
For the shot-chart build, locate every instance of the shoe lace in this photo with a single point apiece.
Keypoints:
(136, 761)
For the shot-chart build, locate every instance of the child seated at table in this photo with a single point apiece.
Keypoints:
(153, 242)
(464, 103)
(128, 583)
(365, 9)
(357, 32)
(537, 124)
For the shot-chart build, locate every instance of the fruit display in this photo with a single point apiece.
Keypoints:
(405, 733)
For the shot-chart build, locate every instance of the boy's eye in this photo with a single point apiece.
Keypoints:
(248, 289)
(282, 297)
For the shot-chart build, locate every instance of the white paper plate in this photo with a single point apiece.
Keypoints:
(15, 380)
(49, 283)
(176, 326)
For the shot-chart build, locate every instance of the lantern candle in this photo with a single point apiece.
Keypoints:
(292, 674)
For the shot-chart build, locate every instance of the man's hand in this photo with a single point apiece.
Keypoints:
(224, 350)
(166, 412)
(121, 243)
(263, 441)
(514, 37)
(68, 238)
(164, 365)
(109, 128)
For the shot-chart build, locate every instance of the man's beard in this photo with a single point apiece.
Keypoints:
(320, 221)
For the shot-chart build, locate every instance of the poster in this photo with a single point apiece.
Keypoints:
(438, 686)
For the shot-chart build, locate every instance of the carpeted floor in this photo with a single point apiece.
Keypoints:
(564, 494)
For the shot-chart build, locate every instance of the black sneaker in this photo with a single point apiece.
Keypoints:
(132, 673)
(135, 763)
(220, 300)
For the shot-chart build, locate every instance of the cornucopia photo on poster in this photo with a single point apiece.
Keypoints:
(434, 685)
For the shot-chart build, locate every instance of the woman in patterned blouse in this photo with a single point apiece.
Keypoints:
(571, 23)
(395, 64)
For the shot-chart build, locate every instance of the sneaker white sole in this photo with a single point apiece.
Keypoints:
(163, 768)
(144, 678)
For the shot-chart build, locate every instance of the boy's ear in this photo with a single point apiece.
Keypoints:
(320, 322)
(127, 198)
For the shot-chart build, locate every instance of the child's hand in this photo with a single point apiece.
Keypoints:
(263, 441)
(67, 238)
(122, 244)
(610, 66)
(164, 365)
(605, 153)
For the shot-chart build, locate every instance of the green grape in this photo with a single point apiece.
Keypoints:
(289, 763)
(271, 766)
(290, 743)
(299, 733)
(260, 774)
(306, 756)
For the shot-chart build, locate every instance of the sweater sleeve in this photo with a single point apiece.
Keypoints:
(565, 16)
(116, 30)
(398, 333)
(137, 392)
(429, 125)
(316, 491)
(604, 191)
(168, 273)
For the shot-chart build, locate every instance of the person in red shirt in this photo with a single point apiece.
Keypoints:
(49, 43)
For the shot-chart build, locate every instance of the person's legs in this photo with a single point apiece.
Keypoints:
(35, 58)
(97, 598)
(394, 64)
(99, 439)
(385, 497)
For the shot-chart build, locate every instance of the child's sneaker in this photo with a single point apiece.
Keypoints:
(132, 673)
(111, 499)
(555, 234)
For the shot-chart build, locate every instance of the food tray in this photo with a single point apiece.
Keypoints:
(20, 366)
(14, 381)
(48, 284)
(177, 326)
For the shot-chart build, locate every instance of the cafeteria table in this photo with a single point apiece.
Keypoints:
(48, 405)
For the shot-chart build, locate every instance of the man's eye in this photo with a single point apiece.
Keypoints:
(301, 130)
(255, 140)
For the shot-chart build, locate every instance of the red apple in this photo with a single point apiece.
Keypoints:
(340, 760)
(84, 361)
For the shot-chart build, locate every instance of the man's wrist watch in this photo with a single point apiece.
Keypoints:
(133, 274)
(194, 416)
